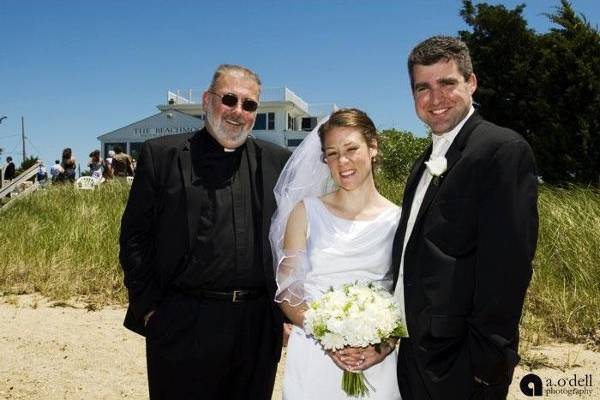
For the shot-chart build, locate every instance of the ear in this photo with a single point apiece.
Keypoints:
(205, 100)
(472, 82)
(373, 150)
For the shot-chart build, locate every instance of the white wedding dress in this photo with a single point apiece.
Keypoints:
(340, 251)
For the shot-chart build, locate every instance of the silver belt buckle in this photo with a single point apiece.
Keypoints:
(235, 294)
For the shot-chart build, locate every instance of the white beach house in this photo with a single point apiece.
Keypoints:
(282, 118)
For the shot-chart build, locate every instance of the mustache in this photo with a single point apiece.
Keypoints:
(233, 119)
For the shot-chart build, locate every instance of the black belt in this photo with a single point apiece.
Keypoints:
(233, 296)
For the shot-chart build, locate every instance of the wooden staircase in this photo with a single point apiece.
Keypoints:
(20, 186)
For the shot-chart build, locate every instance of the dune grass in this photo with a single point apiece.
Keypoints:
(63, 243)
(564, 296)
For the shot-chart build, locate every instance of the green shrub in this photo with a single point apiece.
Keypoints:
(399, 150)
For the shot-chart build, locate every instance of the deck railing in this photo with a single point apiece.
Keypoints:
(13, 185)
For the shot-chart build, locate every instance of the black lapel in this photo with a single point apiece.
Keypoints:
(453, 154)
(193, 196)
(407, 198)
(256, 182)
(413, 180)
(254, 154)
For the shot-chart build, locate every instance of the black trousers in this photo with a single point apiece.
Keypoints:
(415, 385)
(210, 349)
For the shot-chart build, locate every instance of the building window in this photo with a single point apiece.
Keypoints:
(264, 121)
(309, 123)
(291, 125)
(135, 148)
(294, 142)
(271, 121)
(261, 122)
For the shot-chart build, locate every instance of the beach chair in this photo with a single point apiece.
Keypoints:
(86, 183)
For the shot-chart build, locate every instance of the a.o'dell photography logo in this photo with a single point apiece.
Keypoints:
(532, 385)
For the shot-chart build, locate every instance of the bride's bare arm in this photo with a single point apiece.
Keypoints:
(294, 313)
(295, 240)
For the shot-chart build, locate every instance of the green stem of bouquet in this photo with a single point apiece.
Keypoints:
(353, 383)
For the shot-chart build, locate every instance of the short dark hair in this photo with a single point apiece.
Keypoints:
(437, 48)
(9, 158)
(117, 149)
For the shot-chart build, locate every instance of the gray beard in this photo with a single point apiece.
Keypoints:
(221, 135)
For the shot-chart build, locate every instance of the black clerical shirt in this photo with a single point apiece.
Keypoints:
(226, 254)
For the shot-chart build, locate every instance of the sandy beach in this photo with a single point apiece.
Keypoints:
(55, 350)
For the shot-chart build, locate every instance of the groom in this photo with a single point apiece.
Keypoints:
(466, 239)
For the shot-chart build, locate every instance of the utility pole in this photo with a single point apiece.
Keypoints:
(23, 136)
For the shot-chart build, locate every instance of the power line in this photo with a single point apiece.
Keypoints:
(9, 136)
(33, 145)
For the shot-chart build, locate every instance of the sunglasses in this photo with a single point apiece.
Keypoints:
(231, 100)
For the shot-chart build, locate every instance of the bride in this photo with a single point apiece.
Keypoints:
(332, 227)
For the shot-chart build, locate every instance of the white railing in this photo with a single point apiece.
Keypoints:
(283, 94)
(178, 98)
(20, 180)
(194, 96)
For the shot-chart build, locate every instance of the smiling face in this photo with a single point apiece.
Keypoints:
(442, 95)
(230, 126)
(349, 157)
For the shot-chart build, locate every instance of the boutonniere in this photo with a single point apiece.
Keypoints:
(436, 167)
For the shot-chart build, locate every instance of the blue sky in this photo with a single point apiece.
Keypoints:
(78, 69)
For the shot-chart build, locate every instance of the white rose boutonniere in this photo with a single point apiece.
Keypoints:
(437, 167)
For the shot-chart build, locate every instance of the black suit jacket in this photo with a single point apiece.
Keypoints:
(467, 264)
(160, 221)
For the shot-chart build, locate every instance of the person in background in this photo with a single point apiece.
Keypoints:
(55, 171)
(121, 163)
(42, 174)
(9, 169)
(96, 165)
(68, 164)
(111, 154)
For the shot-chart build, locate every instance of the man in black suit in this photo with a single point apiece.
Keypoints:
(195, 253)
(466, 239)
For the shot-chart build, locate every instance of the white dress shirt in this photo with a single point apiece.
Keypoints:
(441, 144)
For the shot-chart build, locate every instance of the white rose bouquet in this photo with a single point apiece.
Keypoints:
(356, 315)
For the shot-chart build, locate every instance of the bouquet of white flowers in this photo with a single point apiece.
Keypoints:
(355, 315)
